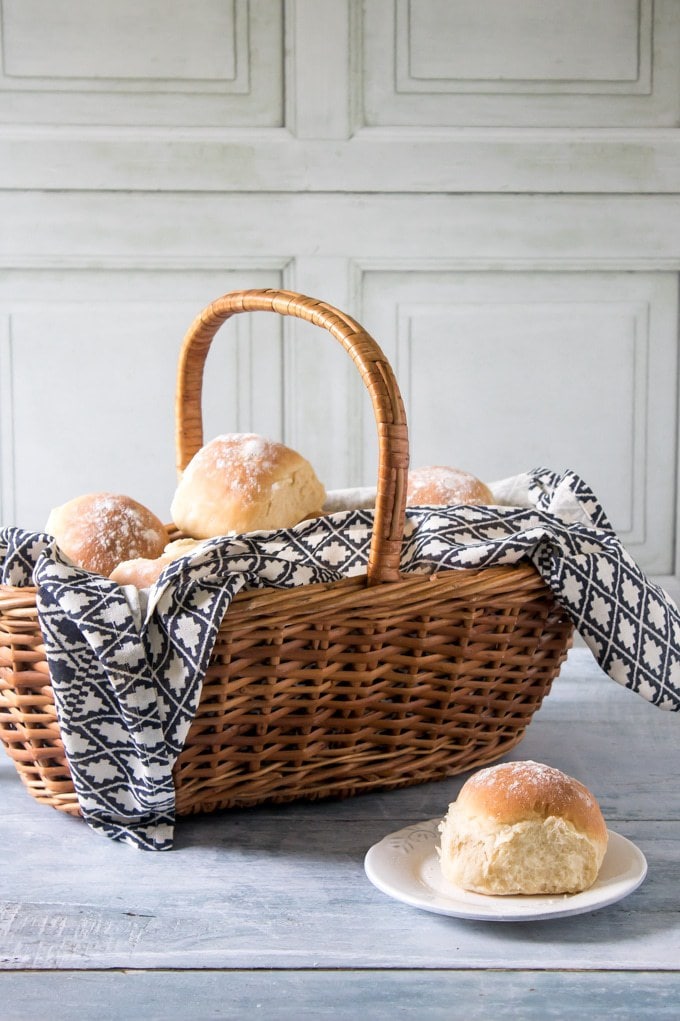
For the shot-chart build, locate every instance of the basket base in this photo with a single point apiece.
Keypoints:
(390, 777)
(326, 691)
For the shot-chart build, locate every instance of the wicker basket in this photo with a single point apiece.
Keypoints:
(326, 690)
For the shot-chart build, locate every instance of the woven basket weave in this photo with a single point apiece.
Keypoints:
(331, 689)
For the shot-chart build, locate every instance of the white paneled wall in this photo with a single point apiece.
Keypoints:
(490, 187)
(535, 63)
(512, 370)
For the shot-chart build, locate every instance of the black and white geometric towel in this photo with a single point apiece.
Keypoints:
(127, 667)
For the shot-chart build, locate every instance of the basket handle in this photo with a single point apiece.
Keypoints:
(378, 377)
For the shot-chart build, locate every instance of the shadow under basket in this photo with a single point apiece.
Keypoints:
(326, 690)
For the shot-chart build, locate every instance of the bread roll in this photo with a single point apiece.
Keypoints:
(142, 572)
(242, 482)
(98, 530)
(523, 828)
(442, 486)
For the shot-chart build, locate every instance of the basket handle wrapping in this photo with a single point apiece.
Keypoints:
(378, 377)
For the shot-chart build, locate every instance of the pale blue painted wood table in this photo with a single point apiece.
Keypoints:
(267, 913)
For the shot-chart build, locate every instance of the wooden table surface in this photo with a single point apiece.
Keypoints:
(267, 912)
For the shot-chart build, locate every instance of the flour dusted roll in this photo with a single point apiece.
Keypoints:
(442, 486)
(142, 572)
(243, 482)
(98, 530)
(523, 828)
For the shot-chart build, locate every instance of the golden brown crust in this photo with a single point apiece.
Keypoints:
(513, 792)
(440, 485)
(99, 530)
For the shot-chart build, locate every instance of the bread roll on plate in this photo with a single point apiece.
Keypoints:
(442, 486)
(523, 828)
(243, 482)
(98, 530)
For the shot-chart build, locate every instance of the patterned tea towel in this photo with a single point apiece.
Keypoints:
(127, 666)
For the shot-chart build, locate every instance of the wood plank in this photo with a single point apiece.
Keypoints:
(507, 232)
(370, 995)
(250, 891)
(375, 160)
(297, 897)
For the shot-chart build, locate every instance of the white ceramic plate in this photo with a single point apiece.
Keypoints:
(404, 865)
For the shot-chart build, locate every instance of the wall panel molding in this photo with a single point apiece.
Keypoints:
(535, 63)
(224, 68)
(566, 370)
(63, 333)
(537, 47)
(136, 50)
(308, 100)
(320, 86)
(538, 334)
(374, 160)
(7, 450)
(492, 231)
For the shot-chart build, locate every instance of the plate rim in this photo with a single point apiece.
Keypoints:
(564, 905)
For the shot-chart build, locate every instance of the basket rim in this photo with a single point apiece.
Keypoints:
(522, 576)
